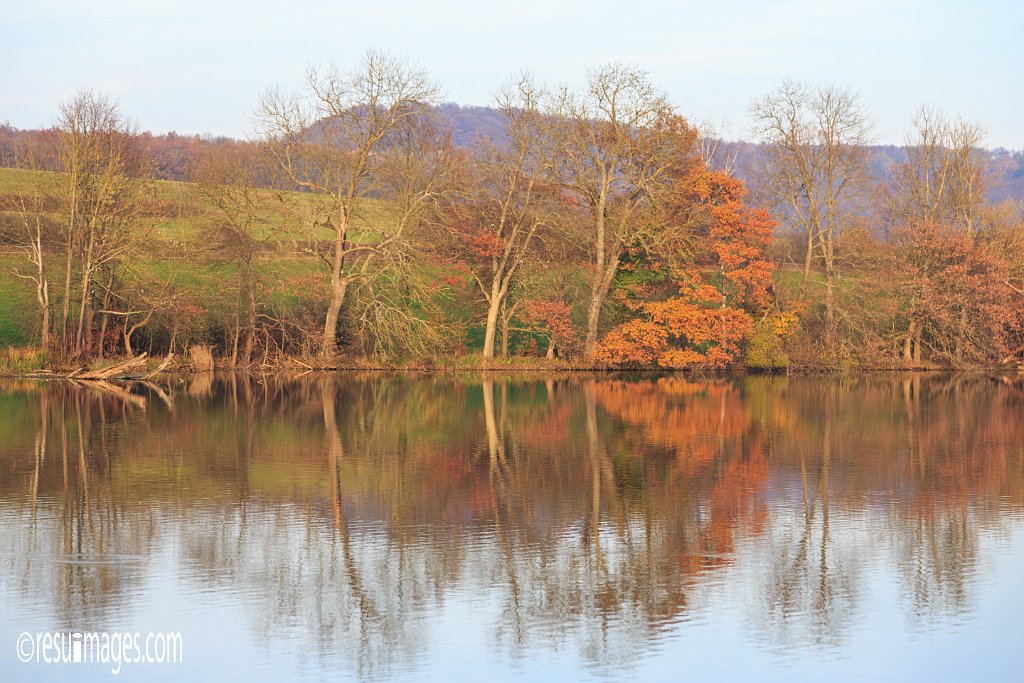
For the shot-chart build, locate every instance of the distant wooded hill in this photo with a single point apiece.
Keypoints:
(172, 153)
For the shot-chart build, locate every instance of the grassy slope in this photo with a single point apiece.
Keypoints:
(178, 221)
(17, 303)
(179, 224)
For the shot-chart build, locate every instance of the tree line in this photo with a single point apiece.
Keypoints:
(601, 226)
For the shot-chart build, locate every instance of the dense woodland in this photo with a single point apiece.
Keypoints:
(597, 225)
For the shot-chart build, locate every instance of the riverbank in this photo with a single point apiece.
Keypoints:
(16, 362)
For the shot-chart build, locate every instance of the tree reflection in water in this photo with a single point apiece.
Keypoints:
(575, 513)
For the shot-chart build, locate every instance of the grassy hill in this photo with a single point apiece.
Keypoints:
(177, 223)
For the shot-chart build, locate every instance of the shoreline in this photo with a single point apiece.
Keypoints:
(500, 369)
(34, 364)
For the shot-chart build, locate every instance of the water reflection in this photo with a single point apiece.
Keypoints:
(356, 515)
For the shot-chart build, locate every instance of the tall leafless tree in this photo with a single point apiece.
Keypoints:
(227, 180)
(816, 168)
(99, 199)
(946, 175)
(326, 139)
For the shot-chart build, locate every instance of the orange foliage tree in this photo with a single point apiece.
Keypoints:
(959, 298)
(728, 278)
(551, 316)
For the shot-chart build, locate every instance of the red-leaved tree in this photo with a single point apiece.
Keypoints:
(728, 279)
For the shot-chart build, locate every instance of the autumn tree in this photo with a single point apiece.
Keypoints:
(943, 183)
(621, 147)
(961, 302)
(1004, 237)
(326, 139)
(551, 316)
(507, 198)
(705, 322)
(815, 168)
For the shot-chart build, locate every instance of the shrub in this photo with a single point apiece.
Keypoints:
(200, 357)
(764, 348)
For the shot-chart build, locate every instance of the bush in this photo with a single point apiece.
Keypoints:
(200, 357)
(764, 349)
(15, 361)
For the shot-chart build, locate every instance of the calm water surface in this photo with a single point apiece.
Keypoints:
(435, 528)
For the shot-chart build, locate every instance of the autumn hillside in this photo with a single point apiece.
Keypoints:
(365, 221)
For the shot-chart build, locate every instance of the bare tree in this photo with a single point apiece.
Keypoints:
(946, 175)
(226, 179)
(621, 144)
(100, 192)
(325, 140)
(395, 298)
(816, 168)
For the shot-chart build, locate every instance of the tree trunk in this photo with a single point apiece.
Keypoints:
(338, 285)
(593, 318)
(908, 342)
(491, 328)
(598, 293)
(250, 295)
(87, 339)
(830, 304)
(45, 301)
(504, 337)
(106, 317)
(234, 343)
(331, 321)
(86, 280)
(103, 334)
(67, 298)
(130, 330)
(598, 276)
(809, 256)
(126, 335)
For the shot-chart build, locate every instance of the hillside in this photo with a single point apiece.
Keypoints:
(172, 153)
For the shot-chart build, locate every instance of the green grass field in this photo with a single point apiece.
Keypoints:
(18, 317)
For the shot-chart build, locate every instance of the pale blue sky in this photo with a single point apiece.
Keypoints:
(200, 65)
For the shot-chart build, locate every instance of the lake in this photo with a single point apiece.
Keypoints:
(439, 527)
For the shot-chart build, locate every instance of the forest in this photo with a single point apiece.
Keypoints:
(366, 224)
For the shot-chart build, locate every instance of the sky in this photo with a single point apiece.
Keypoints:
(200, 66)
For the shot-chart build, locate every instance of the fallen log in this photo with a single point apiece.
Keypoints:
(160, 368)
(111, 371)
